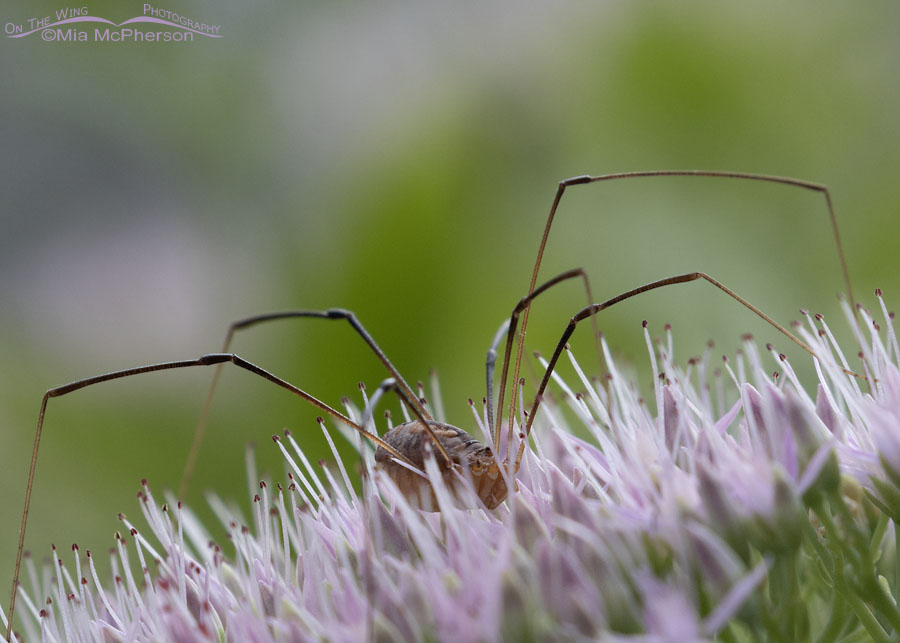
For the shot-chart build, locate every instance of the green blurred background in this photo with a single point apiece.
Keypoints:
(400, 161)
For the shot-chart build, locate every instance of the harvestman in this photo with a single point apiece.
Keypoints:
(402, 450)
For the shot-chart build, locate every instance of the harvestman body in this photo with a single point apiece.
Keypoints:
(402, 451)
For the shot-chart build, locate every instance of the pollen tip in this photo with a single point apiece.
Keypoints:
(120, 516)
(320, 420)
(537, 354)
(74, 546)
(804, 312)
(361, 386)
(143, 482)
(256, 498)
(747, 337)
(782, 357)
(769, 347)
(644, 324)
(819, 316)
(521, 381)
(667, 327)
(471, 402)
(262, 484)
(345, 400)
(276, 438)
(878, 292)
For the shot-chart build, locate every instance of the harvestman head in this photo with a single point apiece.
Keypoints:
(402, 451)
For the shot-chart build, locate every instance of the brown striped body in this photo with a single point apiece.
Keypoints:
(466, 453)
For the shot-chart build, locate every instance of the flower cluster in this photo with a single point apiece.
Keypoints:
(733, 506)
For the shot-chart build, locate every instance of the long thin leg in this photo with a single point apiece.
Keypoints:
(205, 360)
(409, 397)
(390, 384)
(593, 309)
(489, 363)
(581, 180)
(521, 307)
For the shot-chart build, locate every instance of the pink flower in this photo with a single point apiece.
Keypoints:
(674, 521)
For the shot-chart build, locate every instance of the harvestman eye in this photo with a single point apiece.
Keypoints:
(402, 451)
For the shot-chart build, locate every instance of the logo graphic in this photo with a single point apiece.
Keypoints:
(72, 24)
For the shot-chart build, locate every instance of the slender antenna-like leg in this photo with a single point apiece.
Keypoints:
(409, 396)
(523, 305)
(489, 364)
(581, 180)
(205, 360)
(593, 309)
(390, 384)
